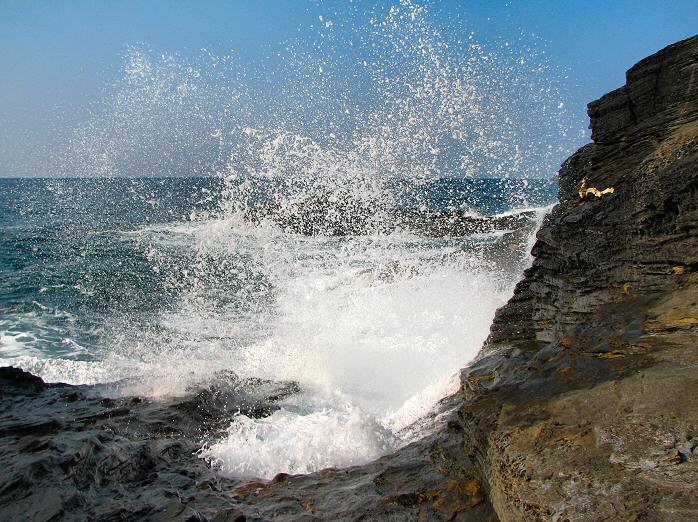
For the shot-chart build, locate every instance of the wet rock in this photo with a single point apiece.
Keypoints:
(336, 213)
(17, 381)
(458, 223)
(343, 214)
(69, 454)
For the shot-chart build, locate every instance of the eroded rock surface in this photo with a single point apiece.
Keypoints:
(69, 454)
(582, 406)
(584, 403)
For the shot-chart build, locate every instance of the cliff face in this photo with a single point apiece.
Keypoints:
(582, 406)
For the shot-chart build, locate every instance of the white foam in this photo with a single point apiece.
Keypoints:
(383, 322)
(290, 442)
(14, 343)
(373, 328)
(63, 370)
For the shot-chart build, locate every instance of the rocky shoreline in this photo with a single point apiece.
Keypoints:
(582, 406)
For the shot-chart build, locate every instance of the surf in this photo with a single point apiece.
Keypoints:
(366, 221)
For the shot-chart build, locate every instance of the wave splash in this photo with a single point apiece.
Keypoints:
(298, 272)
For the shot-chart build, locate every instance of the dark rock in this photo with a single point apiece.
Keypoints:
(459, 223)
(16, 381)
(345, 215)
(336, 213)
(69, 454)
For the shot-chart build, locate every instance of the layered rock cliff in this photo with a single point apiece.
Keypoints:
(582, 406)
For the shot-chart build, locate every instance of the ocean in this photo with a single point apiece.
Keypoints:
(366, 199)
(151, 285)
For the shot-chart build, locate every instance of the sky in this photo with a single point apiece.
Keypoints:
(57, 57)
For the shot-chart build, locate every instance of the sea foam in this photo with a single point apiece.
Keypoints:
(373, 324)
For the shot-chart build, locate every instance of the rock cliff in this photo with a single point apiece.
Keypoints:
(582, 406)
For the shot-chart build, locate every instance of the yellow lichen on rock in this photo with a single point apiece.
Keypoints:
(679, 319)
(585, 191)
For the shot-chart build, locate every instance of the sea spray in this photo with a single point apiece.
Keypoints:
(291, 267)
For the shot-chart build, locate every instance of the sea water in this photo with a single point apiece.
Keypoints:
(120, 281)
(148, 256)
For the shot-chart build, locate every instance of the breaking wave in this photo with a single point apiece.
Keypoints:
(361, 234)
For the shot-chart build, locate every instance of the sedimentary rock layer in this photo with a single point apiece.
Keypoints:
(584, 405)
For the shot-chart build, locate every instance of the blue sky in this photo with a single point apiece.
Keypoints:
(57, 56)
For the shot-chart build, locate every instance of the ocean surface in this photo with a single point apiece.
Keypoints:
(155, 284)
(328, 244)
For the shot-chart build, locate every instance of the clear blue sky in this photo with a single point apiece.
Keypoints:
(58, 54)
